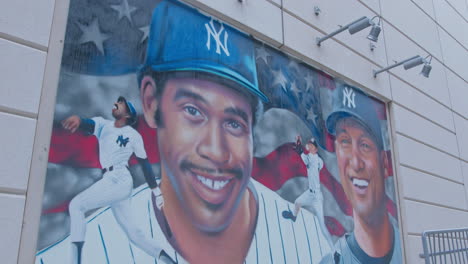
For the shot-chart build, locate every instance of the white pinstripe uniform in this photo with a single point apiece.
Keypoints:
(276, 240)
(116, 145)
(314, 164)
(312, 199)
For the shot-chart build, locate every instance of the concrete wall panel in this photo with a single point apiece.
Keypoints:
(455, 56)
(427, 159)
(27, 20)
(461, 125)
(450, 20)
(426, 6)
(414, 246)
(422, 104)
(10, 226)
(22, 73)
(373, 5)
(413, 22)
(414, 126)
(16, 139)
(458, 93)
(464, 166)
(434, 189)
(422, 217)
(461, 6)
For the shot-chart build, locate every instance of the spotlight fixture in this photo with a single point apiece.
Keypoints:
(411, 63)
(426, 68)
(355, 27)
(375, 30)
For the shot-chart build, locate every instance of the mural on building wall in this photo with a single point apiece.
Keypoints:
(179, 139)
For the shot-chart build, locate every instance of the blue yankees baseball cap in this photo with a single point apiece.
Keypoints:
(131, 110)
(181, 38)
(351, 102)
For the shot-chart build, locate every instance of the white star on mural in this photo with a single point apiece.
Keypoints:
(309, 81)
(295, 89)
(125, 10)
(311, 115)
(280, 79)
(293, 65)
(92, 33)
(262, 54)
(145, 31)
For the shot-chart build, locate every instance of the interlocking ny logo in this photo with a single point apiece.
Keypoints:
(348, 97)
(122, 141)
(213, 33)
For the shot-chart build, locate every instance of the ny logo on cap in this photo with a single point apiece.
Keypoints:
(213, 33)
(348, 97)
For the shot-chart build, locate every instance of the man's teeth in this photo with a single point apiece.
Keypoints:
(360, 183)
(212, 184)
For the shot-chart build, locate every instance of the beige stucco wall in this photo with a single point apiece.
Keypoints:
(429, 116)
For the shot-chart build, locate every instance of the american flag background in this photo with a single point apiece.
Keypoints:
(104, 46)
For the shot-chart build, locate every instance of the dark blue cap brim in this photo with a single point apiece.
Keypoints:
(211, 68)
(130, 107)
(337, 115)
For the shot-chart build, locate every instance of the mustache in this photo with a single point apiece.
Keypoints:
(188, 165)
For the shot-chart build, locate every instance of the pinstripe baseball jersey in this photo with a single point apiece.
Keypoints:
(314, 164)
(276, 240)
(116, 144)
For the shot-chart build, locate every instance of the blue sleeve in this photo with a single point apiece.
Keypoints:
(87, 125)
(148, 173)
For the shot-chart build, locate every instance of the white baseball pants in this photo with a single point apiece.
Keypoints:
(114, 190)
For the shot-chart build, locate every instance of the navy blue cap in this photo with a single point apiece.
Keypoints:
(183, 39)
(312, 141)
(131, 110)
(351, 102)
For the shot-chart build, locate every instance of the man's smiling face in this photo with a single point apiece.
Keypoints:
(206, 148)
(362, 166)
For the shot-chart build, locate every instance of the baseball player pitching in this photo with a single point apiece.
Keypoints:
(117, 142)
(311, 199)
(199, 88)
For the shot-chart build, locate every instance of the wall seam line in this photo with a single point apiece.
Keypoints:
(436, 205)
(419, 90)
(440, 25)
(13, 191)
(426, 144)
(440, 60)
(426, 118)
(11, 111)
(429, 173)
(456, 10)
(23, 42)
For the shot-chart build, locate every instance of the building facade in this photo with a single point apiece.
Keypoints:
(426, 117)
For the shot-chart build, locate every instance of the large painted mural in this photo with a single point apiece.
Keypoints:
(180, 139)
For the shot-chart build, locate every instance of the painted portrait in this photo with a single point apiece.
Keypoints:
(178, 138)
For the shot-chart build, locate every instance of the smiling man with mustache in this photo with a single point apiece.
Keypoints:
(201, 99)
(363, 167)
(199, 88)
(206, 148)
